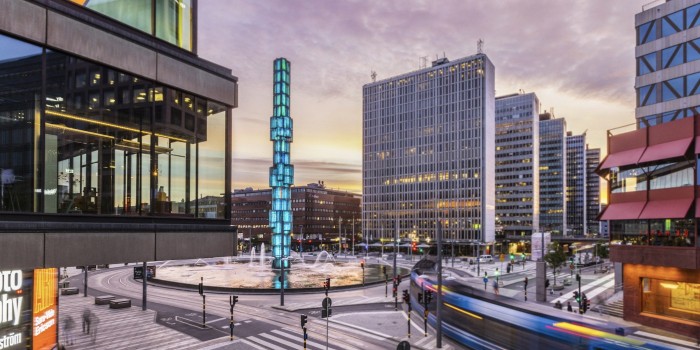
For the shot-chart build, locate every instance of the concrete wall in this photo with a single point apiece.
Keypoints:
(58, 31)
(24, 250)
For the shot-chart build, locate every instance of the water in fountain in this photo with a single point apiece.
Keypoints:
(252, 256)
(328, 255)
(262, 254)
(201, 262)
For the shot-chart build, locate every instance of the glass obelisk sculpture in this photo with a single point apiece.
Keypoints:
(282, 171)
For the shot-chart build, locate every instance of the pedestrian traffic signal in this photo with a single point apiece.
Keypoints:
(428, 296)
(578, 278)
(577, 297)
(512, 257)
(235, 299)
(420, 298)
(303, 320)
(406, 296)
(586, 304)
(384, 270)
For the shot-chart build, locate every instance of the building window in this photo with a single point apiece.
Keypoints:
(647, 95)
(672, 56)
(671, 298)
(646, 32)
(672, 24)
(672, 89)
(646, 64)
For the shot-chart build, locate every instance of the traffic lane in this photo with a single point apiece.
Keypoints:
(338, 310)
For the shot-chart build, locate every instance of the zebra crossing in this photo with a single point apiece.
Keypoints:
(338, 302)
(591, 289)
(288, 338)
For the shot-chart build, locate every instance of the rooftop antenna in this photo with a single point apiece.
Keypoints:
(422, 62)
(374, 76)
(480, 46)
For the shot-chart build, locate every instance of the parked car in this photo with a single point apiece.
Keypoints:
(486, 259)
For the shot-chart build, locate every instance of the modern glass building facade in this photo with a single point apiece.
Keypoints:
(109, 125)
(428, 152)
(654, 198)
(553, 174)
(592, 191)
(576, 184)
(517, 164)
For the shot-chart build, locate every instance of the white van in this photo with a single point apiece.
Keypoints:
(486, 259)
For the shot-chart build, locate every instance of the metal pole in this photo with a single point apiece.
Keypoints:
(340, 220)
(478, 264)
(145, 277)
(283, 277)
(301, 242)
(85, 273)
(453, 253)
(353, 236)
(409, 318)
(438, 307)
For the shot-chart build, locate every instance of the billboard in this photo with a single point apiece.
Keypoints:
(28, 309)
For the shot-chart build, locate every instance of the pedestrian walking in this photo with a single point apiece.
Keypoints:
(87, 315)
(95, 323)
(568, 307)
(495, 287)
(68, 324)
(526, 284)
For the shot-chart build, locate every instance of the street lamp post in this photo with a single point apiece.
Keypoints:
(301, 242)
(353, 236)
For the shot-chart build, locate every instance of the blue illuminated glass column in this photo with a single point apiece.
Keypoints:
(282, 171)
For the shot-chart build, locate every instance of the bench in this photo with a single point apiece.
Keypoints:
(104, 299)
(70, 291)
(119, 303)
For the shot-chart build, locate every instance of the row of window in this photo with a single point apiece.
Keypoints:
(668, 25)
(668, 90)
(669, 57)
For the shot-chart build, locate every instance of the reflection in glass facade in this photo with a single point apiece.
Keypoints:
(576, 184)
(552, 174)
(282, 171)
(103, 141)
(170, 20)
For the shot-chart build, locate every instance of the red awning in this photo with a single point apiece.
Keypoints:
(667, 209)
(666, 150)
(627, 157)
(622, 211)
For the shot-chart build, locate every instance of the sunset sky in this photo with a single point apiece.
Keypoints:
(577, 56)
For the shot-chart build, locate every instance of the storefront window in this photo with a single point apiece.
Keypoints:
(20, 103)
(628, 232)
(671, 298)
(173, 18)
(630, 180)
(110, 144)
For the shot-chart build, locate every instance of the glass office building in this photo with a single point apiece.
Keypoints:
(428, 152)
(576, 184)
(552, 174)
(517, 164)
(106, 122)
(592, 191)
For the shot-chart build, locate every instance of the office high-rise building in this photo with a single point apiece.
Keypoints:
(552, 173)
(592, 191)
(428, 152)
(575, 184)
(517, 164)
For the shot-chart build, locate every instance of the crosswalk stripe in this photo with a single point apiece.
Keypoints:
(278, 340)
(251, 344)
(425, 340)
(262, 342)
(584, 288)
(308, 341)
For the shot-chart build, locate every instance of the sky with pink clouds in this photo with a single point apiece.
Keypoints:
(577, 56)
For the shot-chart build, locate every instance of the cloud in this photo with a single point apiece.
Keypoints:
(583, 51)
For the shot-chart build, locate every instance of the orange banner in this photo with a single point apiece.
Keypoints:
(45, 309)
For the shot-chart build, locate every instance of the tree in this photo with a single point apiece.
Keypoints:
(555, 258)
(602, 250)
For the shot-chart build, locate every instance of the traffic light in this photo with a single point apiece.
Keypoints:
(577, 297)
(413, 246)
(586, 304)
(362, 264)
(428, 296)
(235, 299)
(303, 320)
(327, 284)
(512, 257)
(420, 298)
(578, 278)
(406, 297)
(384, 270)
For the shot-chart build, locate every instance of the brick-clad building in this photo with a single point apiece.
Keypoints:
(317, 211)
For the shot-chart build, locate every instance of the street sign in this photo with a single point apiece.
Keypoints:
(138, 272)
(404, 345)
(326, 313)
(326, 304)
(486, 280)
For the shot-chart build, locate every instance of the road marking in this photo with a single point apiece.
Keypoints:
(424, 340)
(308, 341)
(262, 342)
(281, 341)
(584, 288)
(249, 343)
(218, 319)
